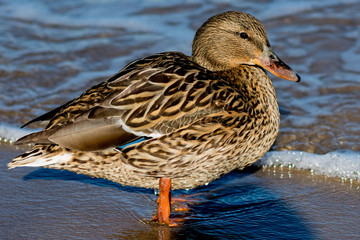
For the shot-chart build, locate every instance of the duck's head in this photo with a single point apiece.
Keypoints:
(230, 39)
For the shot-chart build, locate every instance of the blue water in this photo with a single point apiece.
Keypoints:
(307, 187)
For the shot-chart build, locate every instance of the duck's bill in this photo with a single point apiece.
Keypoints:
(273, 64)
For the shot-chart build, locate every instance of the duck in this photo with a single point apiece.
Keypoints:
(171, 121)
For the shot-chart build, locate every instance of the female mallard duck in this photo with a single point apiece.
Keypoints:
(201, 116)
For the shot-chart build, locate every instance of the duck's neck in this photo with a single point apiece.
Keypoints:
(254, 87)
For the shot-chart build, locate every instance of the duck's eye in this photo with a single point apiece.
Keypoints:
(244, 35)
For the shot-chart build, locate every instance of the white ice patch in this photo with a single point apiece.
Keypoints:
(345, 165)
(10, 133)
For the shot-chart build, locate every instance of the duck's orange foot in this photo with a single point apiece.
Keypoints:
(181, 203)
(163, 213)
(166, 220)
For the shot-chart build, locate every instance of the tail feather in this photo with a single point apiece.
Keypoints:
(41, 155)
(36, 137)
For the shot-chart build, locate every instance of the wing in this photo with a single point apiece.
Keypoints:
(45, 117)
(195, 146)
(148, 98)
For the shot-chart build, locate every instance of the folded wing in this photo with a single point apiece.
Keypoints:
(148, 98)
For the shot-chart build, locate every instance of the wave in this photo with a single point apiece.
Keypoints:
(10, 134)
(345, 165)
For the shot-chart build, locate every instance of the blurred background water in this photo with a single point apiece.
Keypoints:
(50, 52)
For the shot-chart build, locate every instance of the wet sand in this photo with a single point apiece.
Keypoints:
(48, 204)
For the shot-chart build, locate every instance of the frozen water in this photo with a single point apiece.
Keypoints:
(345, 165)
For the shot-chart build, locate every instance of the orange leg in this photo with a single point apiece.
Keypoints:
(163, 213)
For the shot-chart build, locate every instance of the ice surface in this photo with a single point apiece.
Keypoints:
(10, 133)
(345, 165)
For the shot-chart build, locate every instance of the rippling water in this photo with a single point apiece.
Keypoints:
(50, 52)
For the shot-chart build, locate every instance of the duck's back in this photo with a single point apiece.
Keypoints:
(147, 98)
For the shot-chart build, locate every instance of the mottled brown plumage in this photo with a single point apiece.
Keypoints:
(202, 116)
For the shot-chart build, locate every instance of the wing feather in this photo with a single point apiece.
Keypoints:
(149, 97)
(186, 148)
